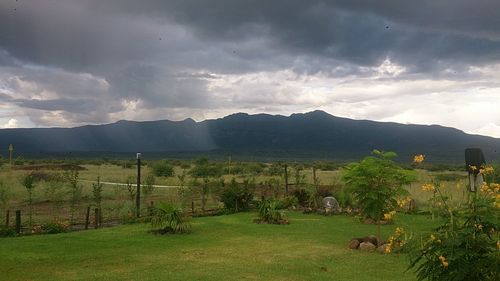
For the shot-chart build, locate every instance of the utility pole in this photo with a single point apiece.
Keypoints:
(11, 148)
(138, 191)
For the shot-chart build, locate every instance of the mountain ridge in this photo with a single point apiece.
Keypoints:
(316, 133)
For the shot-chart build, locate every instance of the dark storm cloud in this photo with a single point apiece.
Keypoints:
(164, 54)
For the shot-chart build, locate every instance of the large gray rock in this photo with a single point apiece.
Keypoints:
(367, 246)
(331, 205)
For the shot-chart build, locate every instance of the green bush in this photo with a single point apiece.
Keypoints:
(204, 169)
(162, 169)
(288, 202)
(270, 212)
(466, 246)
(237, 197)
(376, 182)
(55, 227)
(7, 231)
(302, 196)
(170, 219)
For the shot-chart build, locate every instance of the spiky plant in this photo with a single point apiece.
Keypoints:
(170, 219)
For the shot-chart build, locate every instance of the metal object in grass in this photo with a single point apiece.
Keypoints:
(474, 160)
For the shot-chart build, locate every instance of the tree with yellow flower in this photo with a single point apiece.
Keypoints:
(465, 246)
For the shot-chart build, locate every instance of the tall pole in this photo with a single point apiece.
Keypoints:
(11, 148)
(138, 191)
(286, 180)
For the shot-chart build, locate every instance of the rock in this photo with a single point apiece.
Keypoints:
(331, 204)
(381, 248)
(354, 244)
(367, 246)
(372, 239)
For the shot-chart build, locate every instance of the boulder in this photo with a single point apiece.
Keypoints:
(331, 204)
(372, 239)
(381, 248)
(354, 244)
(367, 246)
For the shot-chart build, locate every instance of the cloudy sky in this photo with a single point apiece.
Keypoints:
(76, 62)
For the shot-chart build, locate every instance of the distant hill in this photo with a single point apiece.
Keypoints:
(315, 134)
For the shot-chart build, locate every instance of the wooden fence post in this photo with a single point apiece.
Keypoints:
(286, 180)
(87, 218)
(192, 207)
(7, 218)
(18, 221)
(96, 215)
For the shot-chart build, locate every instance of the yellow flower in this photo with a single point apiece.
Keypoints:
(428, 187)
(443, 261)
(486, 170)
(389, 216)
(417, 159)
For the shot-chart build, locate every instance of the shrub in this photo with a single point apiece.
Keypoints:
(288, 202)
(170, 219)
(270, 212)
(464, 247)
(7, 231)
(55, 227)
(236, 196)
(302, 196)
(162, 169)
(376, 182)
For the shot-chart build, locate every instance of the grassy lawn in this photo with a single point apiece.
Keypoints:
(228, 247)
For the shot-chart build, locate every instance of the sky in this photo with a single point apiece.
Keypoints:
(68, 63)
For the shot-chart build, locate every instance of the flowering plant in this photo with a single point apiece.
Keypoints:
(466, 245)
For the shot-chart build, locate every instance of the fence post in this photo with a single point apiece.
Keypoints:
(7, 218)
(18, 221)
(151, 208)
(96, 215)
(87, 218)
(192, 207)
(286, 180)
(138, 190)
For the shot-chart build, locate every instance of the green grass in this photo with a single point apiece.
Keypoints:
(228, 247)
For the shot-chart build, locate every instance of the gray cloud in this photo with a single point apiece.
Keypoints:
(93, 61)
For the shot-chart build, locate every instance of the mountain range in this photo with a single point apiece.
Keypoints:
(315, 134)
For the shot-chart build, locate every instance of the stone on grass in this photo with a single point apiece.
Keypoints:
(367, 246)
(354, 244)
(331, 204)
(372, 239)
(381, 248)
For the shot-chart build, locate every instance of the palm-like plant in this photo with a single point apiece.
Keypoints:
(170, 219)
(270, 212)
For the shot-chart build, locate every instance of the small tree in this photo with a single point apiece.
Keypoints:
(162, 169)
(97, 194)
(75, 192)
(28, 182)
(375, 183)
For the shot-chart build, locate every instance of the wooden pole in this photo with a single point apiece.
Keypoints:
(18, 221)
(286, 180)
(7, 218)
(87, 218)
(192, 207)
(138, 191)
